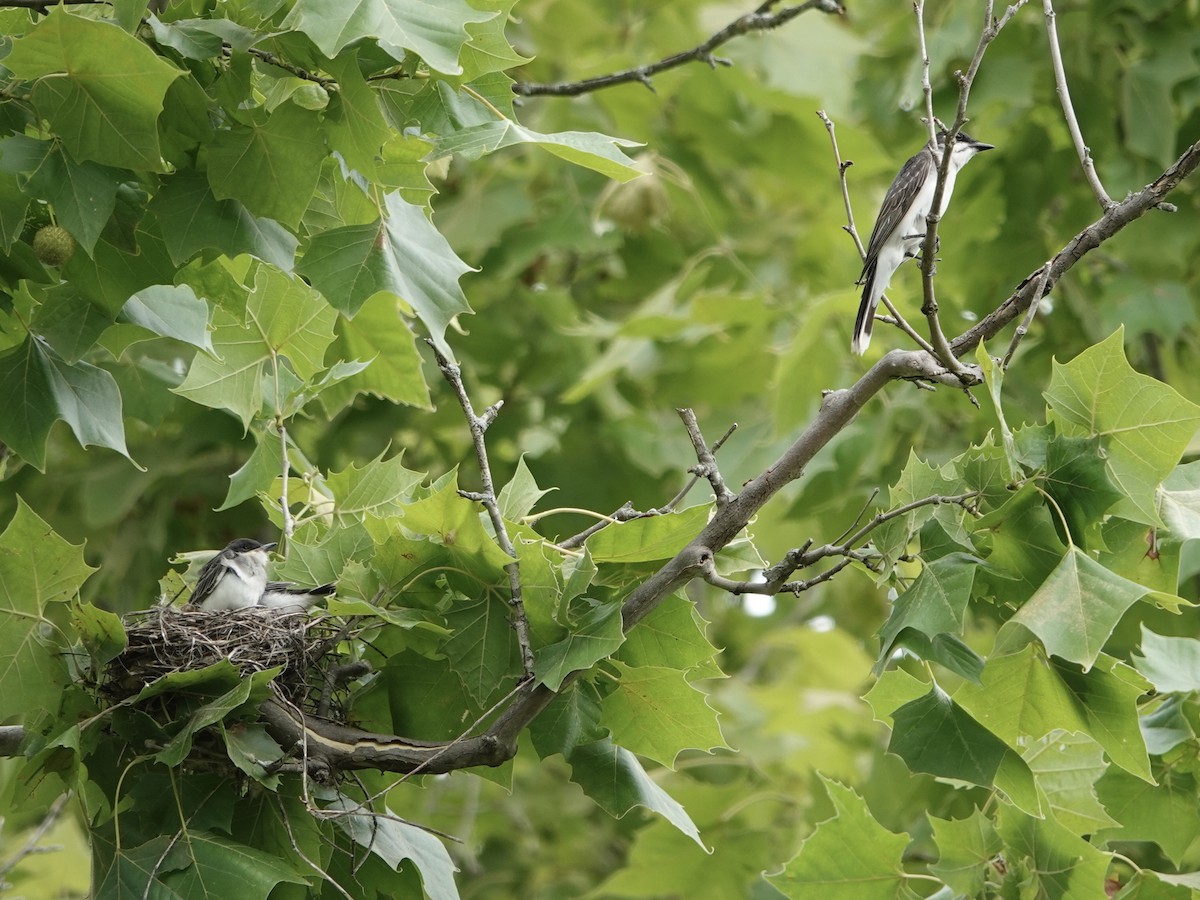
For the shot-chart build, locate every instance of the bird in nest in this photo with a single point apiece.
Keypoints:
(236, 578)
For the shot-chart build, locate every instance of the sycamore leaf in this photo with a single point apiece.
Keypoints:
(37, 567)
(936, 603)
(1144, 424)
(1023, 697)
(656, 713)
(192, 220)
(271, 165)
(597, 636)
(1066, 766)
(402, 254)
(394, 840)
(482, 649)
(1165, 813)
(41, 388)
(521, 494)
(171, 311)
(934, 734)
(454, 521)
(965, 848)
(100, 88)
(613, 777)
(1171, 664)
(849, 857)
(648, 538)
(1060, 864)
(571, 719)
(374, 489)
(435, 30)
(1078, 606)
(583, 148)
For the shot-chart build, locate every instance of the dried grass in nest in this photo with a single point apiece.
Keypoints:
(165, 640)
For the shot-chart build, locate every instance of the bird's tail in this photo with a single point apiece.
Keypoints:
(866, 309)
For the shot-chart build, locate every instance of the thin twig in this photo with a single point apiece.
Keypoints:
(625, 514)
(991, 28)
(759, 20)
(686, 489)
(479, 425)
(775, 577)
(895, 318)
(35, 837)
(1064, 97)
(707, 463)
(1021, 330)
(926, 85)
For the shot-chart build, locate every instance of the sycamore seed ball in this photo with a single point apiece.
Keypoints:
(53, 245)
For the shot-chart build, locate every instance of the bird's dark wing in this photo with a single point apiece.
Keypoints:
(287, 587)
(897, 202)
(210, 574)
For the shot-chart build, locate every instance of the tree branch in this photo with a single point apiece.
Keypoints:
(1064, 97)
(707, 462)
(479, 425)
(759, 20)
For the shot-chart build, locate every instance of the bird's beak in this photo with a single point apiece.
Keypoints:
(267, 548)
(980, 147)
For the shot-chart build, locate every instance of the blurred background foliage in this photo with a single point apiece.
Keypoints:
(722, 280)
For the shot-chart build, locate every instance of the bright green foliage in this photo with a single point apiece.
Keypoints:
(278, 204)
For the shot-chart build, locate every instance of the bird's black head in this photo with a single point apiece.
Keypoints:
(962, 139)
(246, 545)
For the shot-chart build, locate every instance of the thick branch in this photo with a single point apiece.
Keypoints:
(759, 20)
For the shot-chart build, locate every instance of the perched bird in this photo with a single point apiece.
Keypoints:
(900, 227)
(236, 578)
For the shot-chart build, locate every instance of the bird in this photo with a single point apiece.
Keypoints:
(900, 226)
(236, 578)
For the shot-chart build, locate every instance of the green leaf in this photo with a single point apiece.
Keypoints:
(1145, 425)
(482, 649)
(598, 152)
(1165, 813)
(402, 254)
(1171, 664)
(936, 603)
(571, 719)
(518, 498)
(849, 856)
(1023, 697)
(271, 165)
(1066, 766)
(377, 333)
(671, 635)
(250, 690)
(42, 388)
(455, 522)
(613, 777)
(435, 30)
(83, 195)
(488, 49)
(1059, 863)
(249, 748)
(100, 88)
(1179, 501)
(192, 220)
(37, 567)
(965, 849)
(171, 311)
(354, 122)
(649, 538)
(394, 840)
(596, 637)
(1025, 546)
(1077, 607)
(256, 474)
(375, 489)
(100, 631)
(69, 322)
(284, 317)
(934, 734)
(656, 713)
(224, 868)
(1077, 479)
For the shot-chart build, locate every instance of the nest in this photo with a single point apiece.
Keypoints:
(165, 640)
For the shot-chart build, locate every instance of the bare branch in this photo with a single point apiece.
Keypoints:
(759, 20)
(479, 425)
(991, 28)
(1064, 97)
(707, 467)
(1039, 292)
(32, 843)
(683, 492)
(775, 577)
